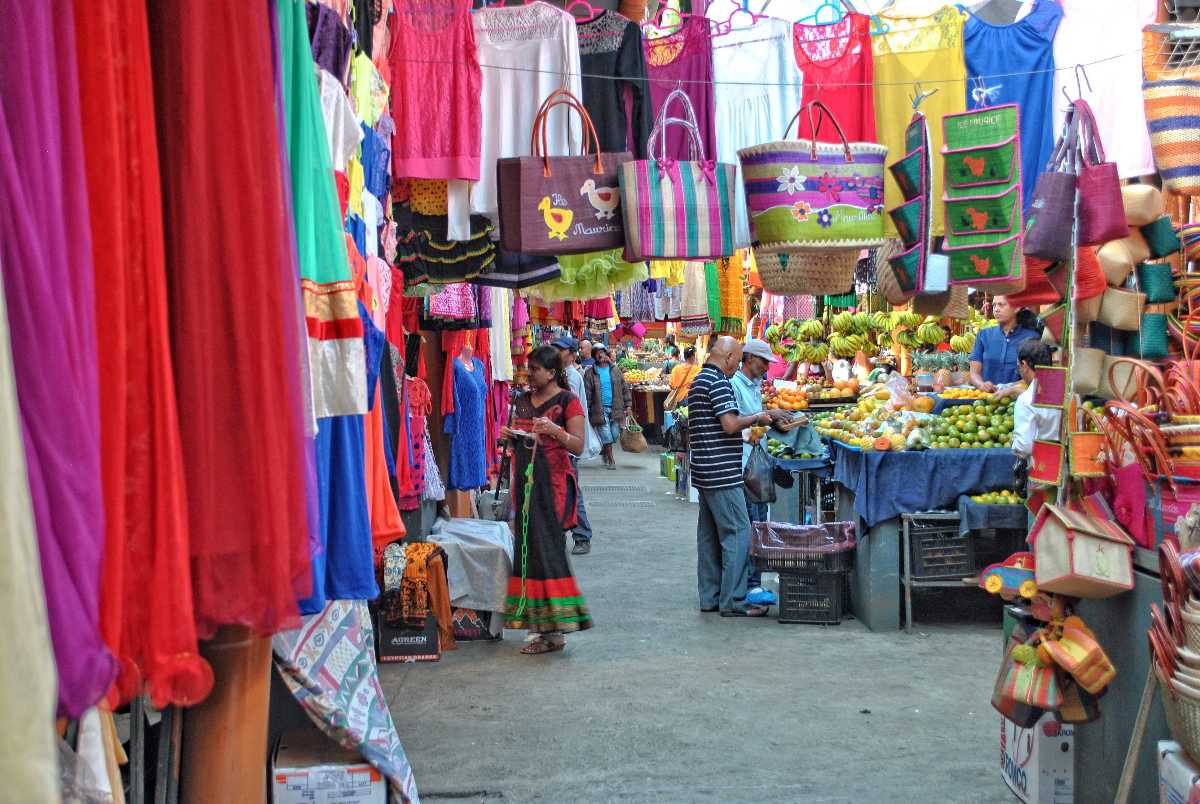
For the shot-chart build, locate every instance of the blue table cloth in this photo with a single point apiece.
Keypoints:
(818, 466)
(978, 516)
(941, 403)
(888, 484)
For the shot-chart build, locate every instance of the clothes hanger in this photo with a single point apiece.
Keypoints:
(590, 12)
(920, 95)
(880, 26)
(836, 7)
(727, 27)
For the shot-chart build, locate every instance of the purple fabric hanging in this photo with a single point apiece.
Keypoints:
(684, 60)
(45, 250)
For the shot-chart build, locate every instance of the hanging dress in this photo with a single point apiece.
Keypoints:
(613, 61)
(916, 49)
(543, 596)
(436, 83)
(684, 60)
(1015, 64)
(236, 325)
(467, 427)
(146, 613)
(527, 52)
(757, 91)
(1106, 35)
(28, 744)
(839, 71)
(46, 256)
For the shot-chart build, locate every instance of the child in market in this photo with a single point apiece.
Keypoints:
(1031, 423)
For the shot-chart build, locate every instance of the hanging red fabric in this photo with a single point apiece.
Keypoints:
(146, 613)
(234, 308)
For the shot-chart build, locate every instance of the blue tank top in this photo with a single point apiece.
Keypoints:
(993, 53)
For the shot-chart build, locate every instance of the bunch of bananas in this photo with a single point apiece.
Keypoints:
(810, 352)
(963, 344)
(908, 339)
(930, 333)
(849, 345)
(811, 330)
(905, 318)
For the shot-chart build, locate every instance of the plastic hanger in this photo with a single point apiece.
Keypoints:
(1081, 78)
(589, 11)
(657, 27)
(919, 95)
(727, 27)
(836, 7)
(880, 26)
(998, 12)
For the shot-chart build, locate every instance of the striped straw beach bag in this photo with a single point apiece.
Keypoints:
(678, 210)
(1172, 97)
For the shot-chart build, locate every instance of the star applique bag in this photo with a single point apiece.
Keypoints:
(674, 209)
(555, 205)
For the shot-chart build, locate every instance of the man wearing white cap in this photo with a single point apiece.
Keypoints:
(747, 388)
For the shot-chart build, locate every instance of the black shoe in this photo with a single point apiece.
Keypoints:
(749, 611)
(710, 610)
(582, 547)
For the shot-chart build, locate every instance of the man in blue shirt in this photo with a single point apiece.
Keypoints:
(994, 358)
(747, 388)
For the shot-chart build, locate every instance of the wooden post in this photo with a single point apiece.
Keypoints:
(225, 737)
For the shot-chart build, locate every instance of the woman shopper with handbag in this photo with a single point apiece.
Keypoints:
(610, 401)
(547, 430)
(681, 379)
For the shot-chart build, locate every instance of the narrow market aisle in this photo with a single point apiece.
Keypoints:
(659, 703)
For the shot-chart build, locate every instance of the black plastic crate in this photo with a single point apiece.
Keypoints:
(811, 597)
(818, 562)
(939, 551)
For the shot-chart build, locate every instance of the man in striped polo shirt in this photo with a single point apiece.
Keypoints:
(723, 529)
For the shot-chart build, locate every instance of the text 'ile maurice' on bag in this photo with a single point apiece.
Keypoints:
(557, 205)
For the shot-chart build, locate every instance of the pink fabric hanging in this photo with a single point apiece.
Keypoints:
(49, 291)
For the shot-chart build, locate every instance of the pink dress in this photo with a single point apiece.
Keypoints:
(438, 82)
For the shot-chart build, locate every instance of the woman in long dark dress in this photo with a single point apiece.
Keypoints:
(547, 428)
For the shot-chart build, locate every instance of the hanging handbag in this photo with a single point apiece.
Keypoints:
(1157, 281)
(1161, 238)
(1025, 687)
(678, 210)
(1101, 210)
(560, 204)
(1150, 342)
(1087, 369)
(1172, 99)
(1052, 211)
(1122, 309)
(804, 193)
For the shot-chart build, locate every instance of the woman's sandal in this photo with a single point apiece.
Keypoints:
(542, 645)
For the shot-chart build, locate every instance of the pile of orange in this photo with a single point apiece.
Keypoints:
(791, 400)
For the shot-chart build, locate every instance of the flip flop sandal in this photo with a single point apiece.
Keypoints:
(536, 647)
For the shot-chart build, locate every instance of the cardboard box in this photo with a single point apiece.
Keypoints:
(1038, 764)
(1178, 776)
(310, 768)
(408, 644)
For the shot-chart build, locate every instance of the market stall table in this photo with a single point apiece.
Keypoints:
(648, 410)
(877, 487)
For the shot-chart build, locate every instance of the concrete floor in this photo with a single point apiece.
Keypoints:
(659, 703)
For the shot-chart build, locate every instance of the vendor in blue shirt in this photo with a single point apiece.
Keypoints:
(994, 358)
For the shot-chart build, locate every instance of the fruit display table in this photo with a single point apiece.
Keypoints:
(877, 487)
(980, 516)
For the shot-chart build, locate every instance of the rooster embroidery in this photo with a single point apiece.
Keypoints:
(981, 265)
(975, 164)
(603, 199)
(978, 218)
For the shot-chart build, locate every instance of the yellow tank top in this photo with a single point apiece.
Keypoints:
(930, 50)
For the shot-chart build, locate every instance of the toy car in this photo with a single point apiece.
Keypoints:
(1011, 577)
